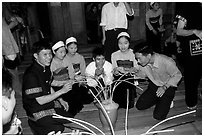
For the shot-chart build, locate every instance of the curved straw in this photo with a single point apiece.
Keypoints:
(110, 123)
(80, 133)
(162, 131)
(125, 80)
(126, 115)
(88, 124)
(120, 78)
(70, 119)
(170, 119)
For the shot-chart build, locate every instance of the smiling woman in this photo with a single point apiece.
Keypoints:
(124, 61)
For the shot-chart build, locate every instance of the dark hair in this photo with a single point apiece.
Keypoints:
(6, 83)
(92, 7)
(98, 51)
(153, 5)
(40, 45)
(143, 48)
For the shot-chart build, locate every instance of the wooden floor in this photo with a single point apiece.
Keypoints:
(138, 121)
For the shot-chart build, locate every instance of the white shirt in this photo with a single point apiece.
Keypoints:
(90, 71)
(114, 17)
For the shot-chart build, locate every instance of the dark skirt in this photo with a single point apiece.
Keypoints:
(120, 93)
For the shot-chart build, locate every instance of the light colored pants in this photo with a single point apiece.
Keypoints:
(17, 86)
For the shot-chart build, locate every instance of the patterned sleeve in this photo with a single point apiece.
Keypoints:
(32, 88)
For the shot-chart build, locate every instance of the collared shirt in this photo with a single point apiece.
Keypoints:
(114, 17)
(163, 71)
(90, 71)
(36, 83)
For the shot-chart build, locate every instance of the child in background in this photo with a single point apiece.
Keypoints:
(154, 26)
(78, 64)
(172, 46)
(11, 124)
(124, 61)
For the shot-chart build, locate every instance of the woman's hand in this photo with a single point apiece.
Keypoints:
(118, 71)
(133, 70)
(64, 104)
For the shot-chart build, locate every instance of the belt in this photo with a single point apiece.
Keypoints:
(115, 29)
(41, 114)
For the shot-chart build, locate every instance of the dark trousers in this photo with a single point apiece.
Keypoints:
(154, 41)
(192, 77)
(111, 44)
(75, 98)
(120, 93)
(149, 99)
(47, 124)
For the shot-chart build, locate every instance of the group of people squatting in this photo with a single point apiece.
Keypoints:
(52, 83)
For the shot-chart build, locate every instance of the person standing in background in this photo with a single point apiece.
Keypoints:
(92, 18)
(113, 21)
(189, 32)
(154, 26)
(10, 49)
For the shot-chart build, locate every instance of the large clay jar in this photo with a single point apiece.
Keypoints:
(112, 111)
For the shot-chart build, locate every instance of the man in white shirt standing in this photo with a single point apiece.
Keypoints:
(113, 21)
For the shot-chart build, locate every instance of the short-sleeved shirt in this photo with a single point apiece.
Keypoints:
(36, 83)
